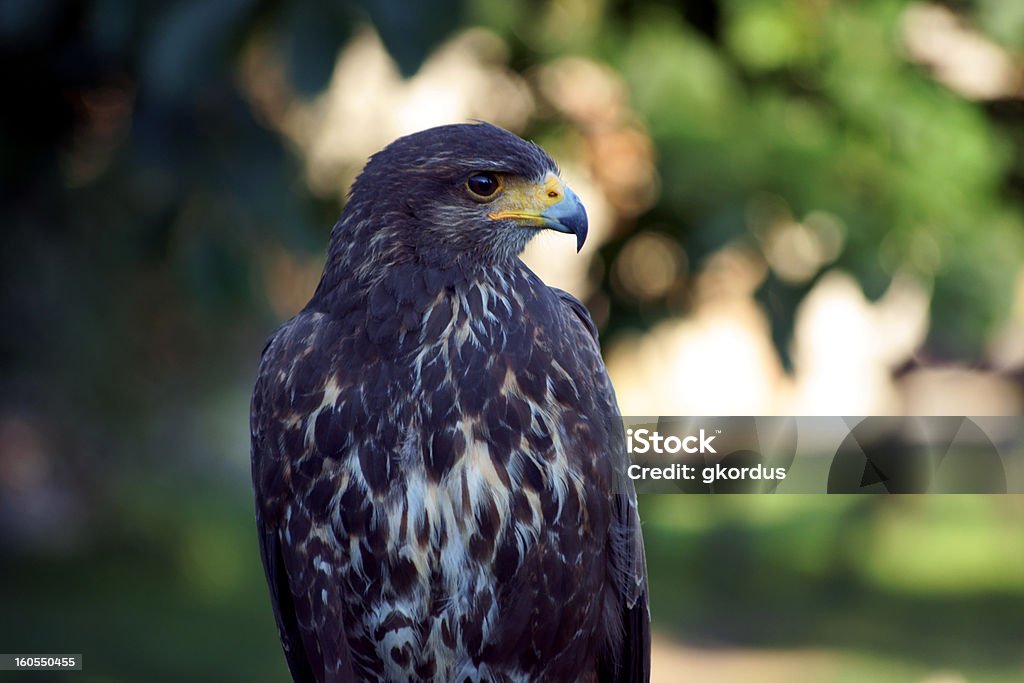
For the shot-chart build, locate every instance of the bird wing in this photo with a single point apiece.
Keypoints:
(283, 602)
(312, 635)
(632, 661)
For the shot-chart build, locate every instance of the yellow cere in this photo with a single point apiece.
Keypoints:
(527, 200)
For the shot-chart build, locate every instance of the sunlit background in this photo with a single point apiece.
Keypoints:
(797, 207)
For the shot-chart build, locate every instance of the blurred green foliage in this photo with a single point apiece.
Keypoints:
(903, 587)
(139, 192)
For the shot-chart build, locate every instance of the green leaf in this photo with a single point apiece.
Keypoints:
(411, 30)
(188, 43)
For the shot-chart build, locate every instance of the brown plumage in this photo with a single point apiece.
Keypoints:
(437, 453)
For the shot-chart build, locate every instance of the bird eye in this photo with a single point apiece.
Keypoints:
(483, 184)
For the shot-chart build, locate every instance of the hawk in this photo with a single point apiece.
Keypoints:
(437, 453)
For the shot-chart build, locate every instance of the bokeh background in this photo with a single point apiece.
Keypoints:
(798, 207)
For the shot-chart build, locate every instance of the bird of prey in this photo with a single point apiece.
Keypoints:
(436, 447)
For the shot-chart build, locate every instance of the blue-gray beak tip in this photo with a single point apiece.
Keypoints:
(581, 236)
(569, 216)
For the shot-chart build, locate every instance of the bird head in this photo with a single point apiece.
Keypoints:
(460, 192)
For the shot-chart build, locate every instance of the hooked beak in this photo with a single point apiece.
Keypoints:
(568, 216)
(546, 205)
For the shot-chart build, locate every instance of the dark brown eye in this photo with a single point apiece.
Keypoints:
(483, 184)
